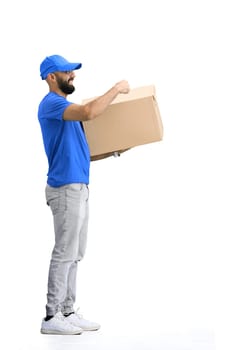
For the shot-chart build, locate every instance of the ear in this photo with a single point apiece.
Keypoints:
(51, 77)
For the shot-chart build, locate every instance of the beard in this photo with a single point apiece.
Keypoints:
(64, 86)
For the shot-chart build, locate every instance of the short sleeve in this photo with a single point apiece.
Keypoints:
(53, 107)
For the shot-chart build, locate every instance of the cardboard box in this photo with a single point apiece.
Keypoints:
(131, 120)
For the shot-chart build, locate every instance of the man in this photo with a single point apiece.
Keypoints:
(67, 188)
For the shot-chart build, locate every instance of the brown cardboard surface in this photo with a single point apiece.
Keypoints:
(131, 120)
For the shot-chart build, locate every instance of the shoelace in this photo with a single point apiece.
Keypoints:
(78, 314)
(60, 317)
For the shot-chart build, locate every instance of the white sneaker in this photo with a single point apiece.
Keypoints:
(59, 325)
(77, 320)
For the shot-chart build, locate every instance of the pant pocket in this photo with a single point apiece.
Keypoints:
(52, 198)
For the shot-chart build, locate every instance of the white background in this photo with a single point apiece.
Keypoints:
(159, 255)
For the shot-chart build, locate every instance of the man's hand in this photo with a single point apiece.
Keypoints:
(122, 87)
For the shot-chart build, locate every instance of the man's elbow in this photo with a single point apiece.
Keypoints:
(89, 113)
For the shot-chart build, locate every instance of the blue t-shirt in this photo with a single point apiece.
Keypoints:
(64, 142)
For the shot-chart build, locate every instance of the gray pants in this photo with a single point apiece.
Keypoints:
(69, 205)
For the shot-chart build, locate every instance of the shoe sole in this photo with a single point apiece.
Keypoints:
(90, 329)
(50, 332)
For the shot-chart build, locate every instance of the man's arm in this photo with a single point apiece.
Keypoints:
(97, 106)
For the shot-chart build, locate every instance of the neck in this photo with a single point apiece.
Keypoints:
(58, 92)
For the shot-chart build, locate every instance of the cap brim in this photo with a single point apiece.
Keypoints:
(72, 66)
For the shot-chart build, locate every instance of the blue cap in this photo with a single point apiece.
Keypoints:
(56, 63)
